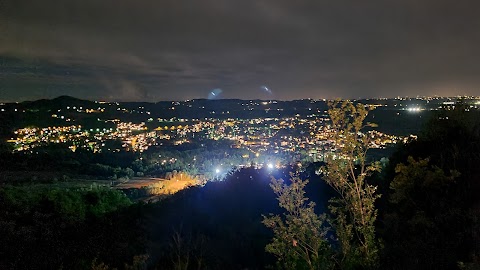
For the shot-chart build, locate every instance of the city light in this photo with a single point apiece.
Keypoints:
(414, 110)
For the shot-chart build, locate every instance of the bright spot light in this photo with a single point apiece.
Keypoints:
(414, 110)
(270, 165)
(217, 170)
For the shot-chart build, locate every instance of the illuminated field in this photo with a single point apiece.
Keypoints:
(159, 186)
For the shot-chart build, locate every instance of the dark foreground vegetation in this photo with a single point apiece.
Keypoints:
(431, 205)
(428, 216)
(44, 228)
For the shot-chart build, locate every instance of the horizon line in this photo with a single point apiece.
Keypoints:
(257, 99)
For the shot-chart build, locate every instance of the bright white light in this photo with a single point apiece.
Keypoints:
(270, 165)
(414, 109)
(217, 170)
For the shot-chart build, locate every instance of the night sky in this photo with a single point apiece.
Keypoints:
(132, 50)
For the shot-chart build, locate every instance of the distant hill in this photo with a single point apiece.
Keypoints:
(56, 103)
(392, 115)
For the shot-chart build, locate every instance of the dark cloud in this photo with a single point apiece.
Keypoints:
(170, 49)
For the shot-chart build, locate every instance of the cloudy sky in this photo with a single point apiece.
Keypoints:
(183, 49)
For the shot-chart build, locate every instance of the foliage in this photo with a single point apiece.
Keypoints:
(425, 216)
(299, 235)
(82, 162)
(139, 263)
(51, 228)
(346, 170)
(187, 251)
(430, 218)
(412, 178)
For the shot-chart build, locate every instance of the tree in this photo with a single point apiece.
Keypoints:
(346, 171)
(299, 235)
(425, 225)
(430, 219)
